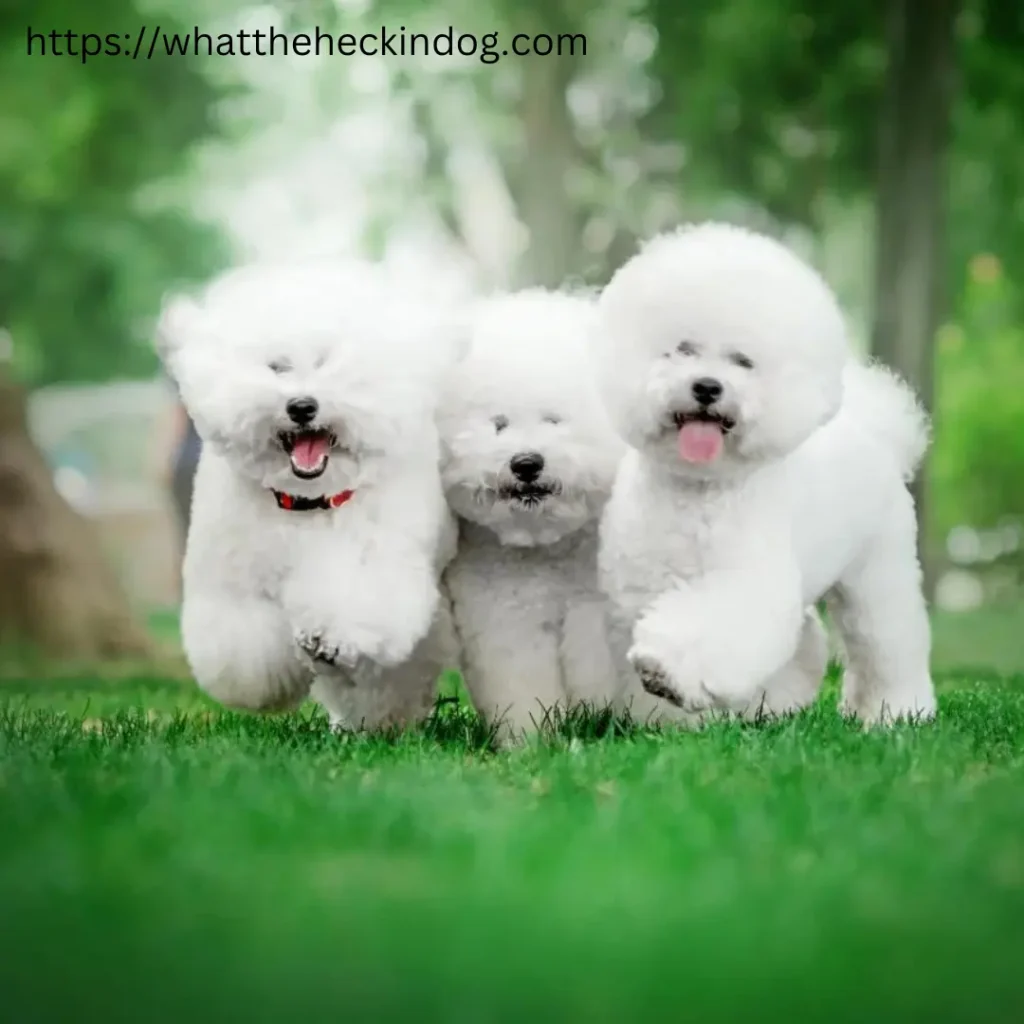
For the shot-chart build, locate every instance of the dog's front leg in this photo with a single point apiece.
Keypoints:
(359, 612)
(241, 652)
(711, 643)
(588, 663)
(512, 670)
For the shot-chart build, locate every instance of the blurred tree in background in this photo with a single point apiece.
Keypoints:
(84, 261)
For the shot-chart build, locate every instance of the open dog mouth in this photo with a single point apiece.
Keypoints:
(308, 451)
(702, 434)
(724, 423)
(527, 495)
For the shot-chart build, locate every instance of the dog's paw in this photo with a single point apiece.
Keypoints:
(339, 726)
(655, 678)
(884, 712)
(361, 657)
(323, 652)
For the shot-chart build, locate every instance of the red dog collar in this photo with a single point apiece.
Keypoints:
(296, 503)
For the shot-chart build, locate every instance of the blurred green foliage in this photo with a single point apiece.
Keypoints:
(778, 100)
(84, 258)
(978, 456)
(774, 99)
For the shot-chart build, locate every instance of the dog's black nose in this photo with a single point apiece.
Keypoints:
(526, 466)
(302, 410)
(707, 390)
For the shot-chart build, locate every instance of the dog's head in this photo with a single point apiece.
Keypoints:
(306, 377)
(719, 350)
(527, 448)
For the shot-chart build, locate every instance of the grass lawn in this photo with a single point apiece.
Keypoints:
(162, 860)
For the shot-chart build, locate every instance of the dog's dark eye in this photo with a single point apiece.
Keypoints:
(279, 366)
(686, 348)
(500, 423)
(552, 418)
(741, 360)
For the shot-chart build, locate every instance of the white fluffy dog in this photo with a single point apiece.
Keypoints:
(528, 460)
(766, 470)
(319, 526)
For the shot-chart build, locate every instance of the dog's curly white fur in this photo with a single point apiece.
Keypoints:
(313, 381)
(528, 460)
(767, 469)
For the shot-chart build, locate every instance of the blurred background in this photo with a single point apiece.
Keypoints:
(885, 141)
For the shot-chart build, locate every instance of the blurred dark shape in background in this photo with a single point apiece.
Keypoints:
(178, 456)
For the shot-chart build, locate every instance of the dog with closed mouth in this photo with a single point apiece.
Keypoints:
(528, 459)
(319, 527)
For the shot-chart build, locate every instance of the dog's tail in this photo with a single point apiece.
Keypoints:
(887, 407)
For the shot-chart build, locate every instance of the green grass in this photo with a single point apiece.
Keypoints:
(188, 864)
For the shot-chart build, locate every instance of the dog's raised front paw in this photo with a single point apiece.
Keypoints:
(658, 682)
(655, 680)
(326, 653)
(351, 662)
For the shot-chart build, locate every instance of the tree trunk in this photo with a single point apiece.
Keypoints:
(551, 151)
(58, 594)
(911, 203)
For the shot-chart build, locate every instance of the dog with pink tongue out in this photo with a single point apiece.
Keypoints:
(766, 470)
(319, 527)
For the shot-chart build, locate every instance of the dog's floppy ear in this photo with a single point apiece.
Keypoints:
(178, 319)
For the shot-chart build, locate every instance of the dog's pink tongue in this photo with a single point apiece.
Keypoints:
(700, 441)
(309, 451)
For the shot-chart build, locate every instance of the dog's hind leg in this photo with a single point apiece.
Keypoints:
(513, 673)
(588, 665)
(796, 684)
(879, 609)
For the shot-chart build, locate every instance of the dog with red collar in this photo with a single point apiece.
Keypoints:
(319, 528)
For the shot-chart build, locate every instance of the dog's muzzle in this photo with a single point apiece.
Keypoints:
(528, 495)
